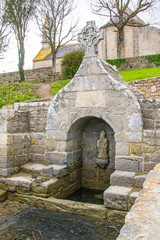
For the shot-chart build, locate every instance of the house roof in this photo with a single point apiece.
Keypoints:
(135, 21)
(45, 53)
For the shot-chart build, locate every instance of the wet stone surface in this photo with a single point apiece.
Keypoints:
(23, 222)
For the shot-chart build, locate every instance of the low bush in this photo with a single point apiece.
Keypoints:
(71, 63)
(155, 58)
(116, 62)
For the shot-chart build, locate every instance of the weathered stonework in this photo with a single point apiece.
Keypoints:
(50, 148)
(40, 75)
(142, 222)
(150, 87)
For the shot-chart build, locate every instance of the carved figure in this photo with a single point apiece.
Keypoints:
(102, 145)
(90, 37)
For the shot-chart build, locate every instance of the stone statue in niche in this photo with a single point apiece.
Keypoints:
(102, 147)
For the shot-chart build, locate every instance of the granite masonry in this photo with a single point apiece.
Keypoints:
(53, 148)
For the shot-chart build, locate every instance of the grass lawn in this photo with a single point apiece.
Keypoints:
(138, 74)
(16, 92)
(56, 86)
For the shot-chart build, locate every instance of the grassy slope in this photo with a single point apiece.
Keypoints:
(56, 86)
(138, 74)
(16, 92)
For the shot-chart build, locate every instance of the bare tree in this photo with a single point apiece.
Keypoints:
(117, 11)
(3, 31)
(55, 23)
(17, 14)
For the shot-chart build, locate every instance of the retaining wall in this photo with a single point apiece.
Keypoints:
(150, 87)
(40, 75)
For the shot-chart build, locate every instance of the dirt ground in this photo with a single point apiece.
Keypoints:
(43, 90)
(24, 222)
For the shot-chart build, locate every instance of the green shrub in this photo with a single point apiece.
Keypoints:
(155, 58)
(117, 62)
(71, 63)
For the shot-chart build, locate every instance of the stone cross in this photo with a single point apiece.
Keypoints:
(90, 37)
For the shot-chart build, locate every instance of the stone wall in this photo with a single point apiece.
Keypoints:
(143, 220)
(40, 75)
(136, 62)
(151, 133)
(149, 87)
(22, 134)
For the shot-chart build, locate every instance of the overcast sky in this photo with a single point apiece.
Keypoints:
(33, 40)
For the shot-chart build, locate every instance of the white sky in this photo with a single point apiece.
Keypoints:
(33, 40)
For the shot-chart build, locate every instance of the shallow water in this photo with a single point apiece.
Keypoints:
(23, 222)
(87, 196)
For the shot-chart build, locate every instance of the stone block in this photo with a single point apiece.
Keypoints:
(42, 186)
(60, 170)
(134, 122)
(3, 150)
(51, 145)
(129, 137)
(3, 161)
(90, 99)
(3, 195)
(122, 149)
(3, 139)
(149, 166)
(56, 157)
(116, 197)
(133, 196)
(38, 158)
(37, 149)
(122, 178)
(133, 164)
(148, 124)
(148, 149)
(136, 149)
(139, 180)
(73, 156)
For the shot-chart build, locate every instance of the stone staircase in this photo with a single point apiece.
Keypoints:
(36, 178)
(124, 189)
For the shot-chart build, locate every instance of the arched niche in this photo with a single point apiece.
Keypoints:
(85, 133)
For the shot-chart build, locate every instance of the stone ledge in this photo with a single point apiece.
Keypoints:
(87, 209)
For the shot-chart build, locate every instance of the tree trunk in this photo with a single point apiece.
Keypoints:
(120, 43)
(21, 62)
(53, 60)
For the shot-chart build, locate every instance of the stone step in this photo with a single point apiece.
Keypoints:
(116, 197)
(45, 170)
(19, 180)
(124, 178)
(120, 198)
(25, 182)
